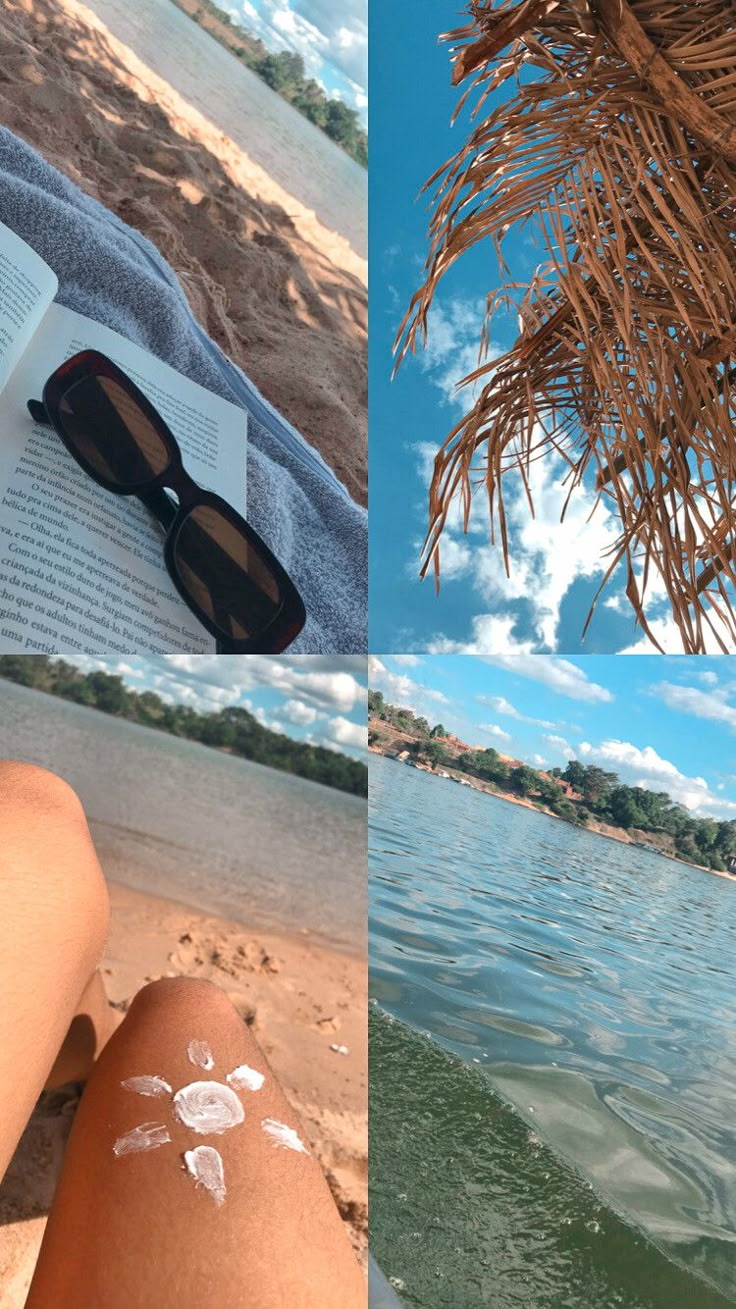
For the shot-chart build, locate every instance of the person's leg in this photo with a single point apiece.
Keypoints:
(133, 1229)
(53, 929)
(93, 1024)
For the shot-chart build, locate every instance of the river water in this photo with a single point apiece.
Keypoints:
(181, 820)
(553, 1060)
(295, 153)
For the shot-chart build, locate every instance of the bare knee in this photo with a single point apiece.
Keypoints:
(32, 791)
(46, 846)
(185, 997)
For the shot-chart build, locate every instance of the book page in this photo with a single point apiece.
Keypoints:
(27, 287)
(81, 569)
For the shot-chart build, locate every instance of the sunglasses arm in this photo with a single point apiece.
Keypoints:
(37, 410)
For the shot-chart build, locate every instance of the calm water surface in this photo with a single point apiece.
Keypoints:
(181, 820)
(295, 153)
(553, 1060)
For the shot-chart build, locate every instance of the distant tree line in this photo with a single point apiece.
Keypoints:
(233, 729)
(284, 72)
(603, 796)
(404, 720)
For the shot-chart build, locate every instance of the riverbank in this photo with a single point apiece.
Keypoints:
(299, 998)
(246, 739)
(243, 43)
(633, 836)
(280, 291)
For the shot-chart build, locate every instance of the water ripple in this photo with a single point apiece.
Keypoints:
(592, 982)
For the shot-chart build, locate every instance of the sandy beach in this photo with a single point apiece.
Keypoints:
(283, 294)
(298, 997)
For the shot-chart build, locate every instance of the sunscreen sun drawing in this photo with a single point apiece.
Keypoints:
(207, 1107)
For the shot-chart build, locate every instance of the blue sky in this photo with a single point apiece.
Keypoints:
(316, 698)
(556, 568)
(332, 39)
(667, 723)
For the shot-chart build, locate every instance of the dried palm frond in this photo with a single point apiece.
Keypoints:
(617, 139)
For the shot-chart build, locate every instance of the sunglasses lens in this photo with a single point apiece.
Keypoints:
(225, 574)
(110, 432)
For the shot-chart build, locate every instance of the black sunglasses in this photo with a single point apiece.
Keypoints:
(221, 568)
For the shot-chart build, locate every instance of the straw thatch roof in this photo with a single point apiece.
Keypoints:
(617, 139)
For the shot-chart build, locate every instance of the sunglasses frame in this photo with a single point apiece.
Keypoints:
(289, 618)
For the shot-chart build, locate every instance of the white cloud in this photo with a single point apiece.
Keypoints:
(327, 690)
(266, 720)
(492, 729)
(451, 353)
(458, 558)
(322, 681)
(664, 629)
(308, 687)
(547, 557)
(711, 705)
(294, 711)
(503, 706)
(559, 675)
(646, 768)
(322, 32)
(492, 634)
(667, 636)
(343, 732)
(407, 660)
(560, 746)
(399, 688)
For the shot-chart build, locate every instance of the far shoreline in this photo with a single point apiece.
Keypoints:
(622, 838)
(190, 740)
(209, 18)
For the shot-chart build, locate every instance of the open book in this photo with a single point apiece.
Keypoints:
(82, 570)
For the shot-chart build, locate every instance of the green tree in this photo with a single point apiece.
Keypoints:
(342, 124)
(434, 752)
(624, 809)
(310, 99)
(548, 789)
(233, 728)
(110, 693)
(524, 780)
(565, 809)
(597, 785)
(574, 774)
(376, 704)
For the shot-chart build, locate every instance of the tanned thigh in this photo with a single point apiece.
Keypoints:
(53, 928)
(235, 1217)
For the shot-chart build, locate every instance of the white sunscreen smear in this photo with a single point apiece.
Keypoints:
(208, 1107)
(147, 1136)
(282, 1135)
(204, 1164)
(246, 1079)
(200, 1054)
(147, 1085)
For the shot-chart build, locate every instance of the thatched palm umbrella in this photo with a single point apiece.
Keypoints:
(617, 137)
